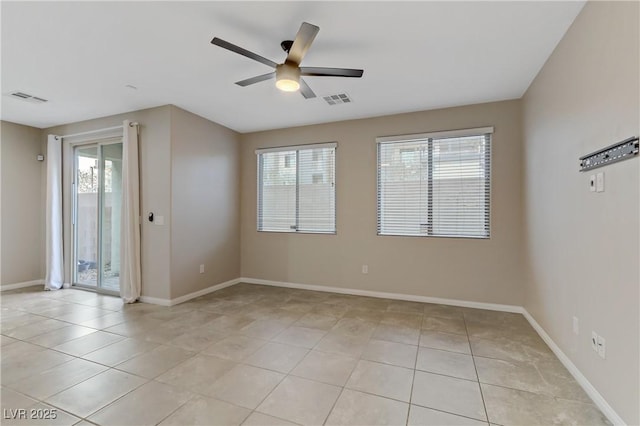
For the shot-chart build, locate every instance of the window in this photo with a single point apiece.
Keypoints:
(435, 184)
(296, 189)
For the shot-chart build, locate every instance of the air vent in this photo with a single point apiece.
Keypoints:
(27, 97)
(340, 98)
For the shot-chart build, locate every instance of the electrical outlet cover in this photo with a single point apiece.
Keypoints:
(602, 346)
(600, 182)
(594, 341)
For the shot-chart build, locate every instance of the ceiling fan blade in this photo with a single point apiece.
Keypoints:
(330, 72)
(306, 90)
(256, 79)
(244, 52)
(302, 42)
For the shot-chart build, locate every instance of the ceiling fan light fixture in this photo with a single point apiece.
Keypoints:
(288, 77)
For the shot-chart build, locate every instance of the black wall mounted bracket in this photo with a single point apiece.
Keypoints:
(622, 150)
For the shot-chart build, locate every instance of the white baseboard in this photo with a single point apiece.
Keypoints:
(597, 398)
(6, 287)
(155, 301)
(186, 297)
(385, 295)
(204, 291)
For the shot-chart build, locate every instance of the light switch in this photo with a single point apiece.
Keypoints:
(592, 183)
(159, 220)
(600, 182)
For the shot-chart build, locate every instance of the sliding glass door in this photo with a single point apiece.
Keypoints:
(97, 204)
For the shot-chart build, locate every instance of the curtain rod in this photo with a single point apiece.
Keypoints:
(95, 131)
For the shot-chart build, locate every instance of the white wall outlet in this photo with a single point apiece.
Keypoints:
(202, 269)
(576, 325)
(365, 269)
(602, 346)
(600, 182)
(592, 183)
(594, 341)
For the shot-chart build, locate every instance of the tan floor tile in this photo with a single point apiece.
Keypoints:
(404, 306)
(402, 319)
(235, 347)
(197, 374)
(445, 341)
(380, 379)
(19, 350)
(133, 326)
(60, 336)
(35, 329)
(447, 363)
(89, 343)
(301, 401)
(447, 325)
(510, 406)
(119, 352)
(396, 333)
(197, 340)
(89, 396)
(105, 321)
(300, 336)
(326, 367)
(264, 329)
(420, 416)
(511, 374)
(6, 340)
(57, 379)
(276, 356)
(357, 408)
(342, 344)
(510, 350)
(229, 323)
(259, 419)
(442, 311)
(201, 411)
(155, 362)
(448, 394)
(354, 327)
(313, 320)
(391, 353)
(370, 315)
(147, 405)
(245, 385)
(17, 368)
(10, 399)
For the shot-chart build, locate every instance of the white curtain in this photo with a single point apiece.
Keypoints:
(130, 275)
(55, 263)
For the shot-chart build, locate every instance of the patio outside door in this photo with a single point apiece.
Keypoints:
(97, 204)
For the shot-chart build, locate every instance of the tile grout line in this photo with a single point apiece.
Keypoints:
(475, 367)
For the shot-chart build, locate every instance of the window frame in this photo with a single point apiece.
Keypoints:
(429, 137)
(259, 180)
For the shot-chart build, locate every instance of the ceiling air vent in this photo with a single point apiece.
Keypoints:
(27, 97)
(340, 98)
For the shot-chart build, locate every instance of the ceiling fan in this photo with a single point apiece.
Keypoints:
(289, 74)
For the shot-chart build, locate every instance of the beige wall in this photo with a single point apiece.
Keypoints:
(155, 193)
(476, 270)
(205, 188)
(22, 204)
(583, 246)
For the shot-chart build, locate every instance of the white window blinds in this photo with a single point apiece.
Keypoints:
(435, 185)
(296, 189)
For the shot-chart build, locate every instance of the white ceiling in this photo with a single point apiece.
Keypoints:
(416, 56)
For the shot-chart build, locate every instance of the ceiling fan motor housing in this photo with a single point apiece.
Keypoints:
(288, 77)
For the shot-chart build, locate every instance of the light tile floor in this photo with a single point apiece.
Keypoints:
(258, 355)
